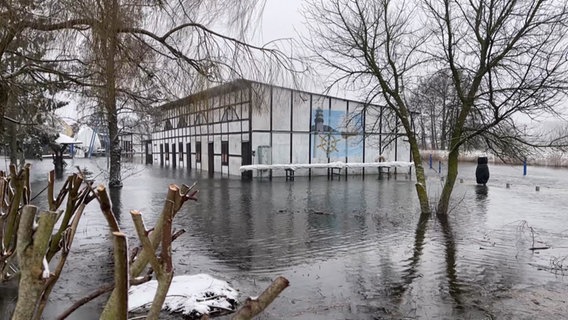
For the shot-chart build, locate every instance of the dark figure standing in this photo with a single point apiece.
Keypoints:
(482, 171)
(58, 162)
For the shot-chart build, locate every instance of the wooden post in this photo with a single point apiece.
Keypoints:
(121, 275)
(31, 248)
(253, 307)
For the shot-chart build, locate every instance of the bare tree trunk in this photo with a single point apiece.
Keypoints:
(3, 102)
(444, 127)
(433, 131)
(115, 177)
(12, 143)
(444, 202)
(110, 73)
(420, 175)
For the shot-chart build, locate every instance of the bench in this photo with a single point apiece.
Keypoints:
(336, 171)
(290, 174)
(383, 170)
(334, 168)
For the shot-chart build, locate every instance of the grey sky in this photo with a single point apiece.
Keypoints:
(279, 19)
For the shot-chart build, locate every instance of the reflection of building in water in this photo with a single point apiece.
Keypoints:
(224, 127)
(259, 227)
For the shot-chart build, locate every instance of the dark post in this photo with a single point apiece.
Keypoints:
(482, 171)
(58, 161)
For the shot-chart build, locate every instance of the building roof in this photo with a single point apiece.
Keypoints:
(234, 85)
(65, 139)
(238, 84)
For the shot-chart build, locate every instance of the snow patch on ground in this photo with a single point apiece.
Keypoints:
(192, 295)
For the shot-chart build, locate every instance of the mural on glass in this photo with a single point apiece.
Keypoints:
(336, 134)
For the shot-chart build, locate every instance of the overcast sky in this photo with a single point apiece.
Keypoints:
(280, 19)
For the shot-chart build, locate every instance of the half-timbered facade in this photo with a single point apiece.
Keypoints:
(246, 122)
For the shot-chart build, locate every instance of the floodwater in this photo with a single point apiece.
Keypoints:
(352, 249)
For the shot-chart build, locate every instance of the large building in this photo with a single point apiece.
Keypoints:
(245, 122)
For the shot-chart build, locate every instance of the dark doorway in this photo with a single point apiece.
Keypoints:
(188, 155)
(148, 152)
(174, 155)
(198, 153)
(211, 159)
(246, 159)
(167, 154)
(181, 159)
(224, 153)
(161, 154)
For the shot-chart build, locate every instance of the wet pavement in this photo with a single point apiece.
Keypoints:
(352, 249)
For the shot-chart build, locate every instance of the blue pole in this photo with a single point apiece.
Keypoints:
(92, 142)
(525, 167)
(440, 167)
(430, 161)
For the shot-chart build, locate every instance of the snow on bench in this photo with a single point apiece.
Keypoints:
(338, 165)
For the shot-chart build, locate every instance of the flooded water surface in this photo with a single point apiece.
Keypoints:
(352, 249)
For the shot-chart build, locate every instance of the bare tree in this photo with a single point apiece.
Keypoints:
(126, 56)
(435, 101)
(368, 44)
(146, 52)
(515, 54)
(28, 80)
(506, 57)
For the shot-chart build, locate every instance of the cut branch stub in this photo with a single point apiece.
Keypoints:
(106, 209)
(253, 307)
(166, 253)
(150, 242)
(50, 191)
(31, 248)
(75, 199)
(121, 275)
(143, 237)
(16, 190)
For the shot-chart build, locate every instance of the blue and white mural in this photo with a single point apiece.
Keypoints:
(336, 134)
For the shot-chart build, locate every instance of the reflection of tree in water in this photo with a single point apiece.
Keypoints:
(450, 251)
(411, 272)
